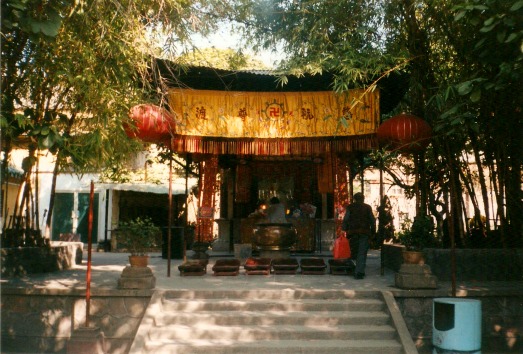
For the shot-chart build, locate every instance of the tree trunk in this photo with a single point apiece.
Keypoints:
(52, 197)
(482, 180)
(456, 211)
(4, 209)
(500, 200)
(52, 193)
(37, 194)
(423, 186)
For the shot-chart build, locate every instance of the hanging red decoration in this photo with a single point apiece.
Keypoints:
(405, 132)
(153, 124)
(207, 185)
(341, 192)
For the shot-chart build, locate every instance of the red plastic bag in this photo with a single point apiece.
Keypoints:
(341, 248)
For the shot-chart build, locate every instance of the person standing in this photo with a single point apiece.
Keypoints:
(385, 222)
(359, 224)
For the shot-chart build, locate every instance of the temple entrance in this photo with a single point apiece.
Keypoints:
(293, 182)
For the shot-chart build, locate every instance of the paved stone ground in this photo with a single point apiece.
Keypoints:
(107, 268)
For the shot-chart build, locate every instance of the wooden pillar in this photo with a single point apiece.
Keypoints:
(230, 194)
(324, 214)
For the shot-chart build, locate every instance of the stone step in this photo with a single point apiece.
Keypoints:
(268, 321)
(264, 294)
(271, 347)
(276, 332)
(251, 318)
(213, 304)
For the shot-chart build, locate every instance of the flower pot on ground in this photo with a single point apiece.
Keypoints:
(138, 237)
(139, 261)
(417, 236)
(413, 257)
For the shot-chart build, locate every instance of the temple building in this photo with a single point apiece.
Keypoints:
(254, 139)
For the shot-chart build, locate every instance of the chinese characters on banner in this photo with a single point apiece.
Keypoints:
(262, 115)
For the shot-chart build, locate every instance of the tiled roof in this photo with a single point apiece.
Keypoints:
(392, 87)
(13, 172)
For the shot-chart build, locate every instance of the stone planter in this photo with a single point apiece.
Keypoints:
(413, 257)
(138, 275)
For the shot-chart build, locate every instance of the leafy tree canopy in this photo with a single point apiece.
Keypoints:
(345, 37)
(72, 70)
(225, 59)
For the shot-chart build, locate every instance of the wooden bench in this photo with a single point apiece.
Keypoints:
(224, 266)
(193, 267)
(257, 266)
(314, 266)
(285, 266)
(341, 267)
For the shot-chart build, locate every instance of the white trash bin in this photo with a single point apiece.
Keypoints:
(456, 325)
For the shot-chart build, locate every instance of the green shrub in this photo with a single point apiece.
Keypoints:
(139, 236)
(418, 235)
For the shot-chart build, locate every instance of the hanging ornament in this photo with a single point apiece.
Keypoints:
(405, 132)
(152, 123)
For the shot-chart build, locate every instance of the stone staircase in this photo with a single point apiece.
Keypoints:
(272, 321)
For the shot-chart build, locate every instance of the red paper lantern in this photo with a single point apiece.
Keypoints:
(405, 132)
(153, 124)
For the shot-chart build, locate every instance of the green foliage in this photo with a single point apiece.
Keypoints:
(75, 68)
(225, 59)
(496, 45)
(17, 14)
(71, 70)
(138, 236)
(417, 235)
(337, 36)
(66, 108)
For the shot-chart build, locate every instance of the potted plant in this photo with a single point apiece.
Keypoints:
(416, 236)
(139, 236)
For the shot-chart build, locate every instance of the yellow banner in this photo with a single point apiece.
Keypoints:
(233, 114)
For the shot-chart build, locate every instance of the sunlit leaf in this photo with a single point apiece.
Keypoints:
(511, 37)
(489, 21)
(460, 15)
(476, 95)
(517, 5)
(465, 88)
(488, 28)
(47, 142)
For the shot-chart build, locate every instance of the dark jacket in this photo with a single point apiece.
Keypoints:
(359, 219)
